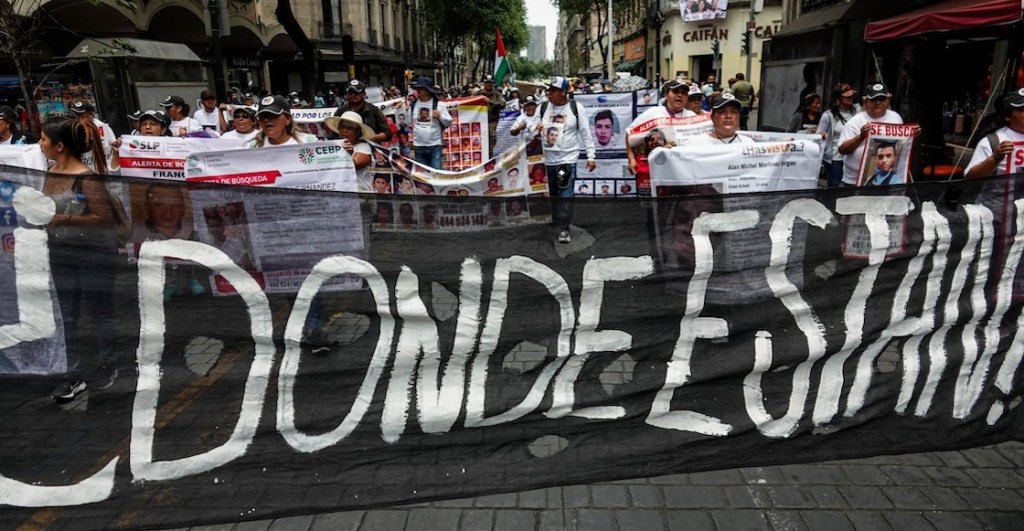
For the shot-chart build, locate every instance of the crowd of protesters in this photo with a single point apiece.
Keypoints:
(79, 144)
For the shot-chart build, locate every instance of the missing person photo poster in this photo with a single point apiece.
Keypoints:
(697, 10)
(886, 158)
(610, 114)
(645, 99)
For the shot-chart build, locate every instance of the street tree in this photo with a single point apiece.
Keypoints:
(475, 21)
(599, 8)
(24, 25)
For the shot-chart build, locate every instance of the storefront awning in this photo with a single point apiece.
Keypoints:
(138, 48)
(950, 15)
(627, 66)
(815, 20)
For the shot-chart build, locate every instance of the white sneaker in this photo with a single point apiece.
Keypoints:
(564, 237)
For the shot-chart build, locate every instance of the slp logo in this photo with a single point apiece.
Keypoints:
(8, 243)
(144, 144)
(306, 156)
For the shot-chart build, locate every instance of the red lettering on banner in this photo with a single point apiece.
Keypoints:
(253, 178)
(1018, 157)
(171, 164)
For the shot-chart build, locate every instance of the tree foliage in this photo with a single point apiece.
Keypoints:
(527, 70)
(600, 9)
(475, 21)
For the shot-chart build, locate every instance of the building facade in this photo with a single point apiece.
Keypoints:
(537, 51)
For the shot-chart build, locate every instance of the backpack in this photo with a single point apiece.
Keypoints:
(572, 106)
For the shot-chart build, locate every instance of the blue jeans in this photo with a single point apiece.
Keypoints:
(834, 171)
(429, 155)
(561, 194)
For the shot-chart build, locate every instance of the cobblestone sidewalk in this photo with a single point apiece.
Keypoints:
(977, 489)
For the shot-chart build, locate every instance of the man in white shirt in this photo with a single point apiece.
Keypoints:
(209, 116)
(990, 160)
(851, 141)
(181, 123)
(677, 96)
(430, 119)
(560, 158)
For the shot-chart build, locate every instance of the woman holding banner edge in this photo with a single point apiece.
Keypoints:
(277, 128)
(354, 134)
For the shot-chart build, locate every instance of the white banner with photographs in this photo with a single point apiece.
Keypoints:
(609, 179)
(322, 166)
(465, 142)
(886, 158)
(735, 168)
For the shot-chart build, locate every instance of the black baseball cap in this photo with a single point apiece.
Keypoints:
(723, 100)
(877, 90)
(8, 113)
(676, 83)
(171, 101)
(250, 111)
(273, 105)
(355, 86)
(1013, 100)
(82, 106)
(159, 116)
(135, 115)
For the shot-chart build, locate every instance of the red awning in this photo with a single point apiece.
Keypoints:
(945, 16)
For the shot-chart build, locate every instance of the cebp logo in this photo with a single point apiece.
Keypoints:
(602, 99)
(8, 243)
(327, 150)
(144, 145)
(660, 158)
(306, 156)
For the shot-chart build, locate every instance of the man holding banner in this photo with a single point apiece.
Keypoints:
(431, 118)
(1008, 141)
(676, 98)
(561, 155)
(851, 141)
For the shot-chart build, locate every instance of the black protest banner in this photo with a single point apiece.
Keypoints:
(676, 334)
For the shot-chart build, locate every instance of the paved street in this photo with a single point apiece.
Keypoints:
(975, 489)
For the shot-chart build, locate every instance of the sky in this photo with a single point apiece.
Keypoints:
(543, 13)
